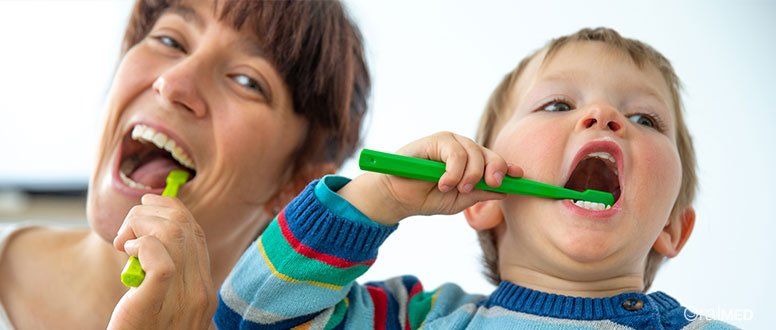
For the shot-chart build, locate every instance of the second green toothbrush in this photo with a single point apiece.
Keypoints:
(429, 170)
(133, 273)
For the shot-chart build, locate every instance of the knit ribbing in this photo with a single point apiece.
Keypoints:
(521, 299)
(318, 228)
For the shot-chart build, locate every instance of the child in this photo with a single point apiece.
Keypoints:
(590, 111)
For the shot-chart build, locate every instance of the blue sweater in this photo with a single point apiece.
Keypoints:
(300, 274)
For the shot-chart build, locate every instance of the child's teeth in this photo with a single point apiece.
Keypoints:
(604, 155)
(591, 205)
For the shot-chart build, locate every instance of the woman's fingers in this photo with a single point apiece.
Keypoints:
(159, 267)
(166, 224)
(178, 290)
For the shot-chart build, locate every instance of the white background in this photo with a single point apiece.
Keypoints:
(434, 63)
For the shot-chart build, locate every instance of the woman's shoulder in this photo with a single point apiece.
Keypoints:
(21, 240)
(11, 231)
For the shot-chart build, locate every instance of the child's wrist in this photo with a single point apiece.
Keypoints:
(367, 193)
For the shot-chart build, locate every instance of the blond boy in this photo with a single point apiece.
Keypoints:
(591, 110)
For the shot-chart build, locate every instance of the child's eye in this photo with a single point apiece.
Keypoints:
(643, 120)
(250, 83)
(557, 105)
(170, 42)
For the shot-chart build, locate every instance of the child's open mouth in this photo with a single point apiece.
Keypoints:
(148, 156)
(596, 168)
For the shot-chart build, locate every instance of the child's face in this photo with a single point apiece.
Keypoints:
(589, 98)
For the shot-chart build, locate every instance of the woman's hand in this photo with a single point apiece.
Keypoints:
(387, 199)
(178, 291)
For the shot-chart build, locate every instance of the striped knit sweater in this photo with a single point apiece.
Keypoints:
(300, 274)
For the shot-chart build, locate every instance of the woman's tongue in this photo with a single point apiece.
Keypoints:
(153, 173)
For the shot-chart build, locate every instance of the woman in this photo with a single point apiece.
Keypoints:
(254, 99)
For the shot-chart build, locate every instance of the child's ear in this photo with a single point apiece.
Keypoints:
(296, 184)
(484, 215)
(675, 233)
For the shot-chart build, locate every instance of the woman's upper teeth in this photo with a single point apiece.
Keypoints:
(144, 133)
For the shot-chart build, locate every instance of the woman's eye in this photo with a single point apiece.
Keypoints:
(170, 42)
(557, 106)
(642, 120)
(249, 83)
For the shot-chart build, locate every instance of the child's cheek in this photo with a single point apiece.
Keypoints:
(657, 166)
(532, 145)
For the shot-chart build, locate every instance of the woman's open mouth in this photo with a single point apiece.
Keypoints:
(148, 156)
(597, 168)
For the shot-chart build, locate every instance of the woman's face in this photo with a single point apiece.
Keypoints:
(208, 88)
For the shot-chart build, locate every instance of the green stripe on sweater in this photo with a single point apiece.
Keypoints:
(338, 315)
(298, 267)
(418, 307)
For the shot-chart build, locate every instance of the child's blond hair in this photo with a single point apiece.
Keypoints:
(498, 109)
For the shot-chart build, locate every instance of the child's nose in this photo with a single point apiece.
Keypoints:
(602, 116)
(179, 85)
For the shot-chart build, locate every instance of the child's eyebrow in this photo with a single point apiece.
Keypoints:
(562, 76)
(638, 88)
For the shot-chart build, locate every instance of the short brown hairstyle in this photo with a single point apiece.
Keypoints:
(498, 107)
(319, 54)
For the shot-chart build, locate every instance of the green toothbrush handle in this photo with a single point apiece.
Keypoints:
(133, 273)
(429, 170)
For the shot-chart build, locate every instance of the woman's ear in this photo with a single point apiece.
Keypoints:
(296, 184)
(484, 215)
(675, 233)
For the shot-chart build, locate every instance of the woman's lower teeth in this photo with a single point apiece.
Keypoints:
(131, 183)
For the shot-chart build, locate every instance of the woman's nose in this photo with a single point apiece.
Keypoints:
(603, 117)
(179, 86)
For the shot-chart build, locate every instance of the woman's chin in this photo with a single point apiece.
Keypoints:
(106, 210)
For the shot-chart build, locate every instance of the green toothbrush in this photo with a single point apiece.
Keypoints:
(429, 170)
(133, 274)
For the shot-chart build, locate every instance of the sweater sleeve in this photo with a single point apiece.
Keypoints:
(301, 273)
(302, 268)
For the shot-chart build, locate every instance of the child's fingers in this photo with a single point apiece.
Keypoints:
(475, 164)
(495, 168)
(466, 200)
(515, 171)
(454, 155)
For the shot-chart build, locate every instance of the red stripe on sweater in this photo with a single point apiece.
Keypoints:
(309, 252)
(415, 289)
(380, 301)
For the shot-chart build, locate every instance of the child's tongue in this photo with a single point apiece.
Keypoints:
(153, 172)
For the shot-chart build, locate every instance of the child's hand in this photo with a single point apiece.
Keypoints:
(178, 290)
(387, 199)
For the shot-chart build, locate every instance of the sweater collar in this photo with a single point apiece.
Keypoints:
(520, 299)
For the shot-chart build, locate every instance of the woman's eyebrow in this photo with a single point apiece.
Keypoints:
(251, 48)
(188, 14)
